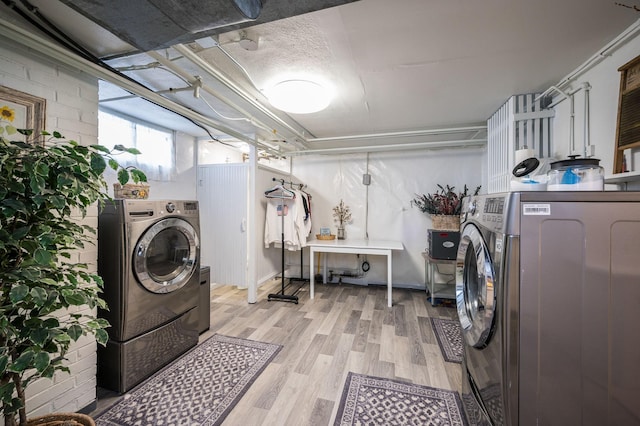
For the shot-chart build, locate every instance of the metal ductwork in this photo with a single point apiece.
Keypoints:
(155, 24)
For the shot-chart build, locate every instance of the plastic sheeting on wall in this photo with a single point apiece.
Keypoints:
(395, 179)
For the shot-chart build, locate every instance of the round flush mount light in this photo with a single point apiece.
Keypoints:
(299, 96)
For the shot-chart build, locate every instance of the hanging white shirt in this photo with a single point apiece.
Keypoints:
(282, 213)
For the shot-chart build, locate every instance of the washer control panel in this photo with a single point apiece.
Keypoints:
(487, 210)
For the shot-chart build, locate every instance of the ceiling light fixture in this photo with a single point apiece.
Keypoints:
(299, 96)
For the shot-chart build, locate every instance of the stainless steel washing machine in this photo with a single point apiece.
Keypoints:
(548, 293)
(149, 259)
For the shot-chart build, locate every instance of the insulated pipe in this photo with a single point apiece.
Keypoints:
(587, 130)
(65, 56)
(397, 147)
(197, 60)
(402, 134)
(160, 92)
(572, 123)
(366, 211)
(628, 34)
(193, 80)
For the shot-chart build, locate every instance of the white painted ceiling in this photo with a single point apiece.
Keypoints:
(396, 66)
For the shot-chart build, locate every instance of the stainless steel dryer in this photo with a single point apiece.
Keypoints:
(149, 259)
(548, 296)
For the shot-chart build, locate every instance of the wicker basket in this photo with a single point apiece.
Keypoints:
(325, 237)
(138, 191)
(445, 222)
(61, 419)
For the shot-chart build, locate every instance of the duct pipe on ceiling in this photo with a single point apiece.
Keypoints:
(61, 54)
(465, 143)
(197, 60)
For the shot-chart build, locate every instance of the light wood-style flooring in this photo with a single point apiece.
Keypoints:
(344, 328)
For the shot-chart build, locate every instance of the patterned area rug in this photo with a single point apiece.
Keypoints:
(200, 388)
(370, 400)
(449, 338)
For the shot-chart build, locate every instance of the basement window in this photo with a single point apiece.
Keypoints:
(157, 144)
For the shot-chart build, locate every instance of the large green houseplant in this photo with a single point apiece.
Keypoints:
(44, 187)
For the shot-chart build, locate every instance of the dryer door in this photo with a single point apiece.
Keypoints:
(166, 255)
(475, 290)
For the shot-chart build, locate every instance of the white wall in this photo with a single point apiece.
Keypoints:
(72, 109)
(395, 179)
(604, 80)
(217, 153)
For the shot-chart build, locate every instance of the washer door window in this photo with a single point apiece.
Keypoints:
(475, 288)
(166, 256)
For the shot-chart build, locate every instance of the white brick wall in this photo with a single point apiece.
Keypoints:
(72, 109)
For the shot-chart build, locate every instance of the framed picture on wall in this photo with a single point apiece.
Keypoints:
(21, 111)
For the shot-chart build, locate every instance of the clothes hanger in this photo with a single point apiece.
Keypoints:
(279, 191)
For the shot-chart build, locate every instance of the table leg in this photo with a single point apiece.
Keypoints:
(311, 273)
(389, 275)
(324, 268)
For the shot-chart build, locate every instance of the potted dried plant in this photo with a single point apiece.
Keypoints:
(341, 216)
(42, 287)
(443, 206)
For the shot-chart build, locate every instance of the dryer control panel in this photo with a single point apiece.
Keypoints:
(138, 210)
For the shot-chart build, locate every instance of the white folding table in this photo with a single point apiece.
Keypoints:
(372, 247)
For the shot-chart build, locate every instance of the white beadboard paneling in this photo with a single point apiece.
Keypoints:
(521, 122)
(222, 193)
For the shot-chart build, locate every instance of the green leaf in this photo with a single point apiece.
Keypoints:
(100, 148)
(37, 184)
(41, 361)
(138, 175)
(42, 169)
(6, 392)
(42, 257)
(58, 202)
(21, 232)
(113, 164)
(18, 293)
(133, 151)
(51, 323)
(23, 362)
(4, 361)
(14, 204)
(102, 337)
(119, 147)
(39, 296)
(17, 187)
(123, 176)
(39, 336)
(75, 332)
(98, 165)
(74, 298)
(63, 338)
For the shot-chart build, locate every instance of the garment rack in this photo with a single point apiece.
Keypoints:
(282, 296)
